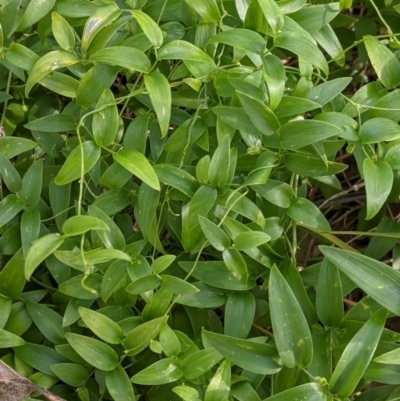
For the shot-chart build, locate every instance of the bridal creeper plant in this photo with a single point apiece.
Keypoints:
(156, 162)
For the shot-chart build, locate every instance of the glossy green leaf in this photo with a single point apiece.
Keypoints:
(199, 362)
(138, 165)
(50, 62)
(277, 192)
(62, 31)
(215, 235)
(77, 225)
(327, 91)
(220, 385)
(157, 87)
(218, 172)
(93, 351)
(139, 338)
(40, 250)
(101, 325)
(175, 285)
(112, 278)
(47, 321)
(10, 206)
(379, 129)
(162, 263)
(122, 56)
(206, 297)
(306, 213)
(169, 341)
(297, 134)
(144, 284)
(53, 123)
(9, 175)
(71, 169)
(391, 357)
(101, 255)
(385, 63)
(35, 10)
(12, 277)
(292, 106)
(8, 340)
(71, 373)
(329, 295)
(239, 314)
(161, 372)
(309, 392)
(149, 27)
(119, 386)
(292, 334)
(32, 184)
(275, 76)
(96, 22)
(82, 287)
(235, 264)
(11, 146)
(357, 355)
(378, 280)
(105, 122)
(378, 177)
(243, 39)
(253, 356)
(250, 239)
(260, 115)
(207, 9)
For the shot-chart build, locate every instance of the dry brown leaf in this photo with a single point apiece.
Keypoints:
(14, 387)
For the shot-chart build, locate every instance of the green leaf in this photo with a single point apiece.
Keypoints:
(378, 177)
(77, 225)
(207, 9)
(385, 63)
(253, 356)
(9, 175)
(243, 39)
(53, 123)
(250, 239)
(144, 284)
(175, 285)
(327, 91)
(377, 130)
(12, 277)
(391, 357)
(40, 250)
(275, 77)
(272, 14)
(59, 201)
(162, 263)
(297, 134)
(105, 122)
(218, 172)
(239, 314)
(101, 325)
(149, 28)
(62, 31)
(292, 334)
(379, 281)
(122, 56)
(277, 192)
(93, 351)
(215, 235)
(292, 106)
(32, 184)
(101, 17)
(206, 297)
(260, 115)
(8, 340)
(71, 373)
(139, 338)
(10, 206)
(220, 385)
(236, 265)
(200, 362)
(169, 341)
(329, 295)
(357, 356)
(306, 213)
(112, 278)
(101, 255)
(161, 372)
(139, 166)
(35, 11)
(75, 289)
(71, 169)
(309, 392)
(119, 386)
(45, 65)
(157, 87)
(328, 40)
(294, 38)
(11, 146)
(47, 321)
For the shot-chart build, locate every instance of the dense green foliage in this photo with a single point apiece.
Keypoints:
(172, 210)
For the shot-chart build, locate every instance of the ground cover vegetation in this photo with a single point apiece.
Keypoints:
(199, 200)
